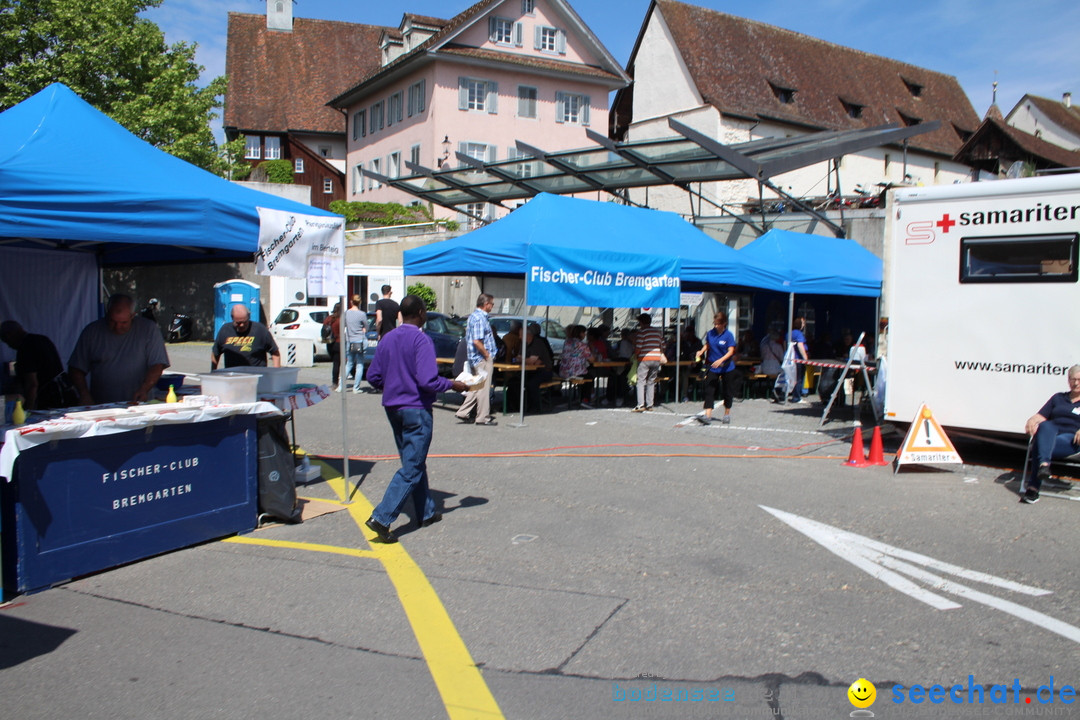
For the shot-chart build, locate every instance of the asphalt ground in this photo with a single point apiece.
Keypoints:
(586, 563)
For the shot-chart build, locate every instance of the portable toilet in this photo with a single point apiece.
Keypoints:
(234, 292)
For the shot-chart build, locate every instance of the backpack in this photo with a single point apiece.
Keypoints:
(327, 333)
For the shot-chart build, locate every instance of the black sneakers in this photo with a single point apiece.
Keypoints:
(1031, 496)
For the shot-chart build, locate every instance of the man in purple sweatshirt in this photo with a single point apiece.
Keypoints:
(404, 369)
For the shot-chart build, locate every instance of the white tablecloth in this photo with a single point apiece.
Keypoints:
(27, 436)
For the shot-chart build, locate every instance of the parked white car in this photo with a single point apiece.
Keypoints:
(301, 322)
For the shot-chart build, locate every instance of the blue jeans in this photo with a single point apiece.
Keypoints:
(1049, 443)
(412, 433)
(354, 365)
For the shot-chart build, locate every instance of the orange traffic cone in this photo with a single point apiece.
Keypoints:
(877, 454)
(856, 457)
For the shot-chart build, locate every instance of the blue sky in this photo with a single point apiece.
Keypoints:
(1031, 45)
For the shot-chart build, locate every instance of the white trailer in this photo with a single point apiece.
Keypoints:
(981, 293)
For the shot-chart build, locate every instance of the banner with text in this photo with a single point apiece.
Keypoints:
(570, 277)
(303, 246)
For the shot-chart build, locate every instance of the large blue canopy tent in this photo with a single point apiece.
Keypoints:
(79, 192)
(501, 248)
(820, 265)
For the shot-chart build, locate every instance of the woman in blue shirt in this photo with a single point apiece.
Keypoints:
(720, 346)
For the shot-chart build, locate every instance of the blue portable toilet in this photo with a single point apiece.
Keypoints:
(232, 292)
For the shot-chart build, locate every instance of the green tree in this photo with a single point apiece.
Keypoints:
(116, 61)
(425, 293)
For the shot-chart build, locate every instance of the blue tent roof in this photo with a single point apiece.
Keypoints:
(554, 220)
(817, 265)
(72, 176)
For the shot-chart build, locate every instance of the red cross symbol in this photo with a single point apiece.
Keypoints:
(945, 223)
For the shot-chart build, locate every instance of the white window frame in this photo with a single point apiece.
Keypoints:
(328, 186)
(272, 147)
(476, 208)
(393, 164)
(376, 167)
(298, 165)
(414, 154)
(478, 95)
(253, 147)
(528, 7)
(572, 108)
(525, 170)
(501, 30)
(535, 100)
(484, 152)
(358, 178)
(548, 39)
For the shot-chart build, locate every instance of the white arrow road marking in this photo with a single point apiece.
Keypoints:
(886, 562)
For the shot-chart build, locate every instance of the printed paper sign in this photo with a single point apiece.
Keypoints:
(570, 277)
(303, 246)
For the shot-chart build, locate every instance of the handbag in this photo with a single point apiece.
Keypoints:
(356, 347)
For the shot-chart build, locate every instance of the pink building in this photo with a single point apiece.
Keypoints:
(501, 71)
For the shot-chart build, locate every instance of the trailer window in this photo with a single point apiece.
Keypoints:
(1019, 259)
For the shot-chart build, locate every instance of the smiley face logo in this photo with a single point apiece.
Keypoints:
(862, 693)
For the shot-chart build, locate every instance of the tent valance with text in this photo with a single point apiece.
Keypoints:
(569, 277)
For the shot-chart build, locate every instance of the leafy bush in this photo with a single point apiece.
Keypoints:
(425, 293)
(278, 171)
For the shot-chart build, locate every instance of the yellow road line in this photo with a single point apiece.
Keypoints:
(460, 683)
(313, 547)
(464, 693)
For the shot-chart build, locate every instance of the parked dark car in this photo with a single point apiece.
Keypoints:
(444, 330)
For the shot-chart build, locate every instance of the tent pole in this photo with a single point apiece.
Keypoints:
(678, 352)
(521, 398)
(343, 339)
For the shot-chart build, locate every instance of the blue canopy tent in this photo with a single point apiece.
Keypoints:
(820, 265)
(72, 178)
(501, 248)
(817, 265)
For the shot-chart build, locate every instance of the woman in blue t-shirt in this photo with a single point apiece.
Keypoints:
(720, 346)
(1055, 432)
(797, 337)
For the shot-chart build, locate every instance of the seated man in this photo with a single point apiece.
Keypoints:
(1055, 430)
(537, 355)
(123, 354)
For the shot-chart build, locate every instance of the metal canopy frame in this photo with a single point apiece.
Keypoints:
(611, 167)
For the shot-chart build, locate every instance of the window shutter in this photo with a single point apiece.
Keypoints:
(560, 106)
(491, 29)
(421, 95)
(492, 153)
(560, 41)
(411, 101)
(492, 97)
(464, 150)
(519, 34)
(538, 37)
(373, 125)
(462, 94)
(585, 109)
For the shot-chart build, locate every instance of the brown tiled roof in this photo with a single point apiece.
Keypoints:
(449, 27)
(424, 20)
(1065, 117)
(736, 64)
(984, 143)
(531, 61)
(278, 81)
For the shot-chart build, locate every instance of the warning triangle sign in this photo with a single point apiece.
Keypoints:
(926, 442)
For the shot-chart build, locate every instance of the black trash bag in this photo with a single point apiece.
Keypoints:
(829, 379)
(277, 472)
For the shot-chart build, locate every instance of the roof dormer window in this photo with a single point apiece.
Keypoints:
(913, 87)
(908, 120)
(783, 94)
(853, 110)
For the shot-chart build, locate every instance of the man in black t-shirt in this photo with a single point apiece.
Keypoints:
(387, 312)
(38, 369)
(243, 342)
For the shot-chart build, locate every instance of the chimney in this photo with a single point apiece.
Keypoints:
(1066, 100)
(279, 15)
